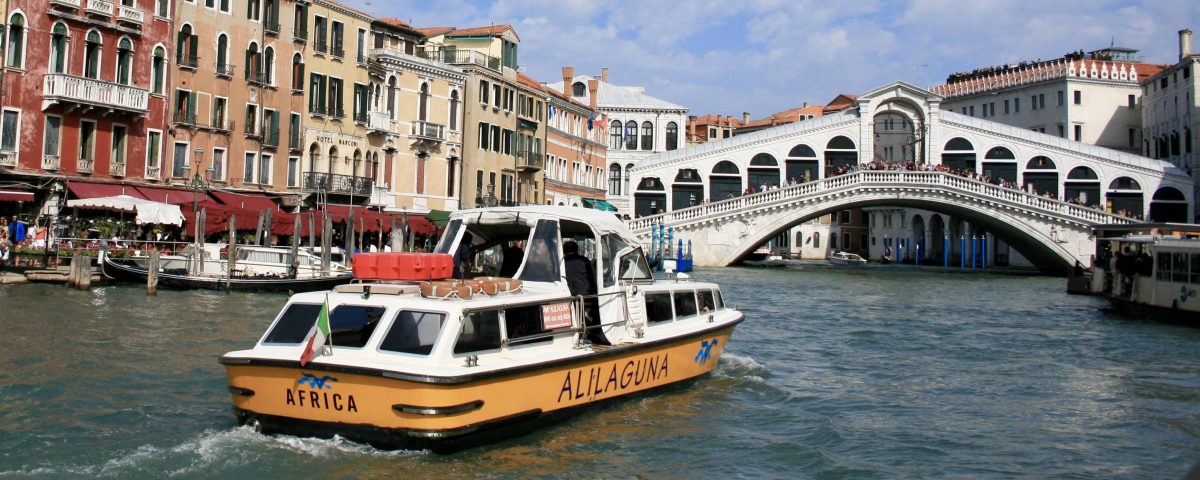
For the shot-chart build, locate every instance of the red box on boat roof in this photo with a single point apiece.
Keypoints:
(408, 266)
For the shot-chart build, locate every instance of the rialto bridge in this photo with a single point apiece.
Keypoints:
(702, 191)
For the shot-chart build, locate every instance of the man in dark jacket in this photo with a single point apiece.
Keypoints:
(581, 280)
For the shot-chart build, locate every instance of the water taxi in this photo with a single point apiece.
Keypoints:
(846, 258)
(411, 358)
(1149, 269)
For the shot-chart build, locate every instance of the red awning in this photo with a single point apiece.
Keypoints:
(15, 196)
(252, 202)
(170, 195)
(98, 190)
(417, 223)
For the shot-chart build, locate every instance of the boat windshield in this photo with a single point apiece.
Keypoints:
(542, 258)
(294, 324)
(448, 236)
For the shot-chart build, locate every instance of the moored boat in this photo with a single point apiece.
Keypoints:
(846, 258)
(257, 268)
(416, 360)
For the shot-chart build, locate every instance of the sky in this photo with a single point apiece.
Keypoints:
(763, 56)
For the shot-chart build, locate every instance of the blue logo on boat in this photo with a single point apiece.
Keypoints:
(317, 383)
(1185, 293)
(705, 350)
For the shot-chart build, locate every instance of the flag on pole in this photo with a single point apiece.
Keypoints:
(318, 336)
(591, 122)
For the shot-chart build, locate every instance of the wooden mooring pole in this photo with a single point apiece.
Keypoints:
(152, 274)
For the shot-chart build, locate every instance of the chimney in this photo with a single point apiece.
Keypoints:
(745, 117)
(1185, 44)
(604, 73)
(568, 75)
(593, 87)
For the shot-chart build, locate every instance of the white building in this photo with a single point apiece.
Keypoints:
(637, 125)
(1171, 112)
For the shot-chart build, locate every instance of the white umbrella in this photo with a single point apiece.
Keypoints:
(147, 211)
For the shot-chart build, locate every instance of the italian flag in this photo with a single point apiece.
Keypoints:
(320, 333)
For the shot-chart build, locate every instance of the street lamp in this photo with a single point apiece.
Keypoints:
(196, 185)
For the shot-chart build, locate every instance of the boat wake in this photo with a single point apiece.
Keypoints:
(739, 367)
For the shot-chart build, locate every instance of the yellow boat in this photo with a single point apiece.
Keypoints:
(444, 364)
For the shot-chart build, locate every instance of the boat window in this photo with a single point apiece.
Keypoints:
(1179, 270)
(542, 258)
(480, 331)
(658, 307)
(706, 301)
(413, 332)
(523, 322)
(350, 326)
(448, 237)
(720, 298)
(611, 245)
(685, 303)
(294, 324)
(1164, 266)
(634, 266)
(1195, 268)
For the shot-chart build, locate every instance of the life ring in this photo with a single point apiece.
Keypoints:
(503, 284)
(445, 289)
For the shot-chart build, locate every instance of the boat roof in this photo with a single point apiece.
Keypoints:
(600, 220)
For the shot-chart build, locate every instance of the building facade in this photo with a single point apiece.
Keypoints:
(84, 93)
(236, 97)
(416, 116)
(576, 156)
(637, 125)
(1171, 111)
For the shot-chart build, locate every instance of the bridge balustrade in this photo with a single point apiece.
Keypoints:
(942, 179)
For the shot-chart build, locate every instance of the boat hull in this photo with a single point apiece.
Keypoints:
(394, 410)
(123, 272)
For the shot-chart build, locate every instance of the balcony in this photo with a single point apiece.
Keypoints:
(379, 122)
(8, 159)
(271, 27)
(320, 46)
(462, 57)
(255, 78)
(153, 172)
(100, 7)
(220, 125)
(428, 131)
(83, 165)
(186, 62)
(271, 138)
(251, 131)
(337, 184)
(337, 113)
(530, 161)
(130, 15)
(300, 35)
(117, 169)
(224, 70)
(184, 117)
(63, 88)
(338, 51)
(67, 3)
(360, 118)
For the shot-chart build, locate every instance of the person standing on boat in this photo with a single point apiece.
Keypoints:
(513, 254)
(581, 280)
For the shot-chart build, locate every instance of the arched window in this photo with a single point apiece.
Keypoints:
(959, 143)
(614, 179)
(631, 140)
(454, 110)
(58, 48)
(391, 98)
(647, 136)
(124, 60)
(268, 66)
(1040, 163)
(158, 70)
(1082, 173)
(297, 73)
(614, 135)
(959, 154)
(726, 167)
(223, 66)
(185, 47)
(1000, 153)
(91, 55)
(1124, 183)
(578, 90)
(672, 136)
(628, 175)
(840, 142)
(802, 151)
(314, 157)
(333, 155)
(357, 162)
(763, 160)
(423, 105)
(16, 41)
(253, 64)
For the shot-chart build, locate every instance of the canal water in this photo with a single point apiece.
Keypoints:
(836, 373)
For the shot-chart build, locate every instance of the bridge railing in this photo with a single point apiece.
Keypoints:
(884, 177)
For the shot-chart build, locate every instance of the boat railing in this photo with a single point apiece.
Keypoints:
(577, 303)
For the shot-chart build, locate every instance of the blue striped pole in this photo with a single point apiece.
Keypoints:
(983, 240)
(962, 251)
(974, 241)
(946, 252)
(917, 259)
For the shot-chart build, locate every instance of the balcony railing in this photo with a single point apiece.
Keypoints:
(83, 165)
(100, 7)
(428, 130)
(271, 138)
(186, 61)
(271, 26)
(8, 159)
(257, 78)
(252, 131)
(379, 122)
(461, 57)
(320, 46)
(294, 141)
(360, 117)
(300, 35)
(334, 183)
(221, 124)
(130, 14)
(117, 169)
(184, 117)
(224, 70)
(58, 87)
(153, 172)
(338, 51)
(67, 3)
(337, 113)
(530, 161)
(361, 58)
